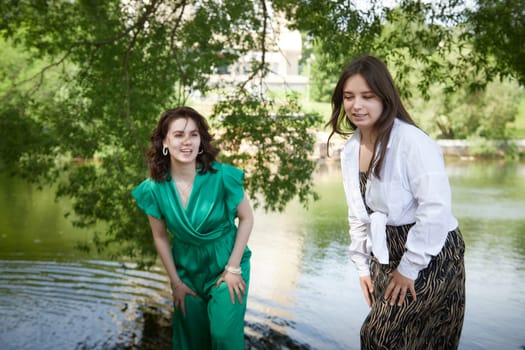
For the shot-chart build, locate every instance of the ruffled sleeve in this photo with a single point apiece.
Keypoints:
(146, 199)
(233, 183)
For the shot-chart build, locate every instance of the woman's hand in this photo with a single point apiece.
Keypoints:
(179, 293)
(235, 283)
(368, 289)
(398, 287)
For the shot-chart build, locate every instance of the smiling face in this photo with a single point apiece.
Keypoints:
(183, 141)
(362, 106)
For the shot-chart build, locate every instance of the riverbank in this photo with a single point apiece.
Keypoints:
(69, 299)
(465, 149)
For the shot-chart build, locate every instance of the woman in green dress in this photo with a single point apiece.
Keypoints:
(192, 202)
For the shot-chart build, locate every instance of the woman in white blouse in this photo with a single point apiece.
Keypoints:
(405, 242)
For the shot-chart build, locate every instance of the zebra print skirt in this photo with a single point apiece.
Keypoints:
(435, 319)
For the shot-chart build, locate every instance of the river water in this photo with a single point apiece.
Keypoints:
(304, 290)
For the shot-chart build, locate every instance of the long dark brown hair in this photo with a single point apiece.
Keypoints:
(379, 80)
(159, 164)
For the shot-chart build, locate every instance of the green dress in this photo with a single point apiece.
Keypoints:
(203, 235)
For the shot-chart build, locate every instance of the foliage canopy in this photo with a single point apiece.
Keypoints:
(83, 83)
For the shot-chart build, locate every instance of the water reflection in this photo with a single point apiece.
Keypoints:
(86, 305)
(304, 291)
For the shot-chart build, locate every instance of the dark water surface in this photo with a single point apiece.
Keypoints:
(304, 290)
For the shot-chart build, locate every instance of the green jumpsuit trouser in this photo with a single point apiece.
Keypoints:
(212, 321)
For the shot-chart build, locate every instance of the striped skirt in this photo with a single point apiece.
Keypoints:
(435, 319)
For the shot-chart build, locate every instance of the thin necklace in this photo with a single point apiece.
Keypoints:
(185, 189)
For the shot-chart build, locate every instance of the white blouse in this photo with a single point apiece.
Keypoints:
(413, 188)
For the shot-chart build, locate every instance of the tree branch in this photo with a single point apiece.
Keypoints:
(261, 66)
(140, 27)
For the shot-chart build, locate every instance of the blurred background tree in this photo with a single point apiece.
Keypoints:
(440, 52)
(83, 83)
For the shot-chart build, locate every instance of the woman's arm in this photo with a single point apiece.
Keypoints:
(359, 250)
(360, 256)
(163, 246)
(428, 181)
(430, 188)
(235, 282)
(244, 229)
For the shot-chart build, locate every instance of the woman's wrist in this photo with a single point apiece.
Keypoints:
(233, 270)
(176, 284)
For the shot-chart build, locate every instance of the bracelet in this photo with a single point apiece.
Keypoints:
(234, 270)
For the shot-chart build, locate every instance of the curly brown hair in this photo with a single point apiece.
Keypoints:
(158, 164)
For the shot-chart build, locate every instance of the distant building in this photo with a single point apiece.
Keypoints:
(282, 59)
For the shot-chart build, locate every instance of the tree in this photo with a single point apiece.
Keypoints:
(444, 51)
(484, 114)
(455, 44)
(94, 75)
(497, 29)
(114, 66)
